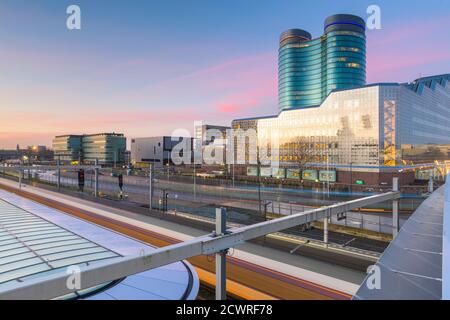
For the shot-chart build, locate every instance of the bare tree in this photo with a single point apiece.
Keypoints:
(303, 154)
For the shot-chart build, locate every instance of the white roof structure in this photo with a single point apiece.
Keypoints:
(411, 268)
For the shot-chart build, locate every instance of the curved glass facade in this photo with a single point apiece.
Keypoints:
(309, 69)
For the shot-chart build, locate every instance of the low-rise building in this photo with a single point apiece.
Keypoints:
(154, 150)
(213, 136)
(67, 147)
(107, 148)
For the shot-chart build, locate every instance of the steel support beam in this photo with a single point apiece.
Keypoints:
(20, 178)
(96, 178)
(53, 286)
(221, 256)
(325, 232)
(395, 218)
(58, 170)
(150, 191)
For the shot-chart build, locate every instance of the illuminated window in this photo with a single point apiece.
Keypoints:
(353, 65)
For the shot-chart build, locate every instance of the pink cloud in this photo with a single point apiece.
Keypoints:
(396, 33)
(406, 51)
(228, 108)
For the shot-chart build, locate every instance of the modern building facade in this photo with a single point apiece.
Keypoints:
(67, 147)
(107, 148)
(309, 69)
(154, 150)
(208, 133)
(214, 137)
(359, 134)
(332, 127)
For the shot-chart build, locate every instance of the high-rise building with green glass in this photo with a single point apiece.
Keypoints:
(309, 69)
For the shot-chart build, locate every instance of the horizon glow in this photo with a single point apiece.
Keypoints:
(146, 69)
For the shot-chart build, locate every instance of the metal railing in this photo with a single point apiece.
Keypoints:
(218, 242)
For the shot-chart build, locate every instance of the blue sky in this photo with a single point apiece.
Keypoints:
(147, 67)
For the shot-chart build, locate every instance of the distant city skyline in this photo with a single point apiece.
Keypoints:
(147, 68)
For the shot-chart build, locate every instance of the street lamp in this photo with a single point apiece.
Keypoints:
(351, 178)
(265, 209)
(166, 197)
(265, 215)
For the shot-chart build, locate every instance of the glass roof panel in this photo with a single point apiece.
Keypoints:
(30, 244)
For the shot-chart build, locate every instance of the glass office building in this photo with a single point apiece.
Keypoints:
(331, 124)
(67, 147)
(108, 148)
(369, 130)
(309, 69)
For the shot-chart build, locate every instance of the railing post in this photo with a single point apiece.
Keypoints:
(395, 218)
(58, 164)
(430, 184)
(150, 176)
(20, 178)
(221, 257)
(325, 232)
(96, 178)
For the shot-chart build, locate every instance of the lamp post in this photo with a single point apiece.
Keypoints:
(195, 182)
(166, 197)
(265, 209)
(328, 174)
(233, 173)
(150, 176)
(351, 177)
(259, 180)
(265, 215)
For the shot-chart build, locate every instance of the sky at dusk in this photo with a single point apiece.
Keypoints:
(147, 67)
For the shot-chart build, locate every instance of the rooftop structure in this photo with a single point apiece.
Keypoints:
(36, 241)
